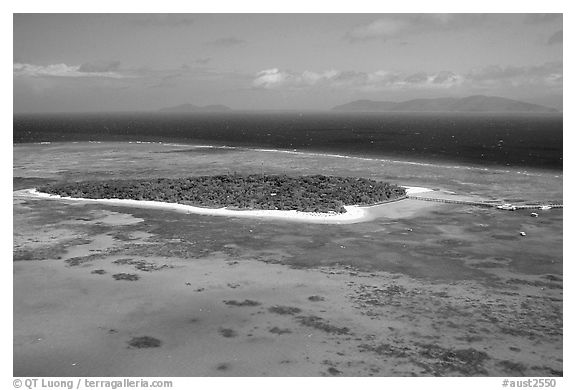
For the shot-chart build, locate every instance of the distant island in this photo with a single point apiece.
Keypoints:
(187, 107)
(476, 103)
(318, 193)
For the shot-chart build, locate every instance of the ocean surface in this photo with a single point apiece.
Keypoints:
(493, 140)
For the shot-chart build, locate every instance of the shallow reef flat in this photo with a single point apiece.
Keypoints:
(440, 290)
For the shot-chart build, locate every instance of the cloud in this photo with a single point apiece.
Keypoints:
(445, 77)
(556, 38)
(68, 71)
(496, 72)
(225, 42)
(393, 26)
(548, 74)
(276, 79)
(417, 78)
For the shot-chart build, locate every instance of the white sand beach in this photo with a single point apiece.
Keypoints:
(416, 190)
(354, 214)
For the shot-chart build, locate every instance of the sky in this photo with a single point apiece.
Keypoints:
(133, 62)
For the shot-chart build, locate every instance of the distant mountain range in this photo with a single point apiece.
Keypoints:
(192, 108)
(477, 103)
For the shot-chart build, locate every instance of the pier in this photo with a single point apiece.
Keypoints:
(485, 204)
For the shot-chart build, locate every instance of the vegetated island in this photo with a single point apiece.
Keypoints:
(317, 193)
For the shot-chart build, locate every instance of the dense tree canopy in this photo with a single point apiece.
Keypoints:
(316, 193)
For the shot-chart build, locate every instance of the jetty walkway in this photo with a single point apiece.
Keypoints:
(487, 204)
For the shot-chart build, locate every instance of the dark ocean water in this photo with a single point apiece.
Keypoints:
(529, 140)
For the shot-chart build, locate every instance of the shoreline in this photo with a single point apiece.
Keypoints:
(354, 214)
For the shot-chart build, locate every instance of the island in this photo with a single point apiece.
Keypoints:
(310, 194)
(470, 104)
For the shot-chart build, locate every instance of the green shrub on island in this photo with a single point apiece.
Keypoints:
(316, 193)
